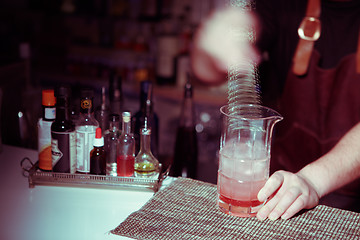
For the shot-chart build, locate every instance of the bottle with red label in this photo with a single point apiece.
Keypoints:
(126, 148)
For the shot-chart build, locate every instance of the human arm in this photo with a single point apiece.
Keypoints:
(289, 193)
(222, 40)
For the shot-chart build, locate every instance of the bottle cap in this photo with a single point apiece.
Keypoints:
(99, 140)
(62, 92)
(126, 116)
(48, 97)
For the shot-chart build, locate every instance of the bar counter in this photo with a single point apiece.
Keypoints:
(52, 212)
(182, 209)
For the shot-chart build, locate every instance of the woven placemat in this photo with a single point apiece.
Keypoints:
(187, 209)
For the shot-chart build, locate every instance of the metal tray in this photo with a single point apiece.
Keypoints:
(38, 177)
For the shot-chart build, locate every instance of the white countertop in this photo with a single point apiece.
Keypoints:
(54, 212)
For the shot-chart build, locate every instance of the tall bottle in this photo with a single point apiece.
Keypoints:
(111, 138)
(146, 165)
(102, 112)
(186, 145)
(126, 148)
(147, 111)
(63, 136)
(167, 48)
(115, 93)
(98, 155)
(44, 129)
(85, 131)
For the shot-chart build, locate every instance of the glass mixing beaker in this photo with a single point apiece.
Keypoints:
(244, 158)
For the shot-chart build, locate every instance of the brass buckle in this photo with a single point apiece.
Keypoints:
(310, 29)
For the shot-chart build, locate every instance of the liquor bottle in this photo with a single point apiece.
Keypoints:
(167, 48)
(182, 59)
(111, 137)
(63, 136)
(98, 155)
(146, 165)
(44, 129)
(186, 146)
(126, 148)
(102, 112)
(147, 111)
(85, 131)
(115, 94)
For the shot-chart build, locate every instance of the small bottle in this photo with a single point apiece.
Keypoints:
(147, 111)
(98, 155)
(186, 145)
(85, 131)
(63, 136)
(102, 112)
(111, 137)
(44, 129)
(126, 148)
(146, 165)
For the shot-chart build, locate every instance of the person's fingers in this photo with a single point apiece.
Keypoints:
(271, 186)
(284, 202)
(295, 207)
(268, 207)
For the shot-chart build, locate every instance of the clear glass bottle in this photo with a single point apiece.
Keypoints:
(126, 148)
(111, 137)
(63, 137)
(85, 131)
(146, 165)
(98, 155)
(186, 145)
(102, 112)
(147, 111)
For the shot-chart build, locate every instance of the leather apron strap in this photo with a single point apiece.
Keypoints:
(309, 31)
(358, 55)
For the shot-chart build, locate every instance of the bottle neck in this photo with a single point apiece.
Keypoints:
(49, 113)
(86, 107)
(62, 109)
(114, 125)
(187, 117)
(146, 107)
(145, 143)
(126, 127)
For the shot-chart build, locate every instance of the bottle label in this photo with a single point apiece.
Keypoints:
(56, 153)
(86, 104)
(49, 113)
(44, 145)
(85, 136)
(63, 151)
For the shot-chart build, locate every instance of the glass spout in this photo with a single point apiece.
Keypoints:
(251, 123)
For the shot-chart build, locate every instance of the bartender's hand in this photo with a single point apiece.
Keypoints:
(222, 40)
(287, 194)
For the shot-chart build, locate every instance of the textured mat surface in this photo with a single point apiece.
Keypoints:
(187, 209)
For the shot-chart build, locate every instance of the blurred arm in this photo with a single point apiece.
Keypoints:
(222, 40)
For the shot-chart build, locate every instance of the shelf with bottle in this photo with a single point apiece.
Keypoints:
(36, 177)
